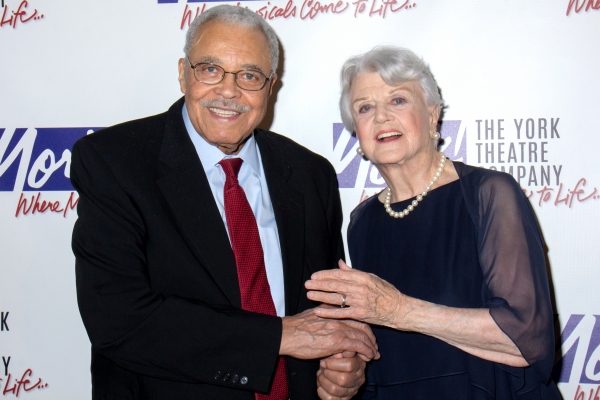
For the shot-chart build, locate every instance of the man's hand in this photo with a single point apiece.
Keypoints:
(307, 336)
(340, 376)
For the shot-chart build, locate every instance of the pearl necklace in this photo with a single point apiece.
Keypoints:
(403, 213)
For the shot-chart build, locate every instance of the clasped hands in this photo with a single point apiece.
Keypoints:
(353, 298)
(343, 345)
(334, 333)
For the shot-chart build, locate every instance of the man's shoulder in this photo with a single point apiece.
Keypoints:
(128, 133)
(130, 145)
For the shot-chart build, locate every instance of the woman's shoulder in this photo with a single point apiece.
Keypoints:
(486, 181)
(489, 192)
(360, 209)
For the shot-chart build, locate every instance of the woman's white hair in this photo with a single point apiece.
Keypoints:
(395, 65)
(239, 16)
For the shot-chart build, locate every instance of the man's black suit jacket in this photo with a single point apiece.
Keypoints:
(157, 285)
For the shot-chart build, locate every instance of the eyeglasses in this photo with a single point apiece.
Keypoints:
(211, 74)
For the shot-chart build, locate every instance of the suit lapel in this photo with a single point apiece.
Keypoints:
(186, 189)
(288, 205)
(185, 186)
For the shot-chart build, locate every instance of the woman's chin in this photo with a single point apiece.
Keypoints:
(389, 158)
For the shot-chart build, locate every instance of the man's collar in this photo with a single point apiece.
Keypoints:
(210, 155)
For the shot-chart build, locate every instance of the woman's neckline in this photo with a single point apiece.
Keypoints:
(432, 190)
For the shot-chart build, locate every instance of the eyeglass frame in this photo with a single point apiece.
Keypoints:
(267, 78)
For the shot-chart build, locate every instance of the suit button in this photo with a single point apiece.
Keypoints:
(226, 377)
(235, 378)
(218, 375)
(244, 380)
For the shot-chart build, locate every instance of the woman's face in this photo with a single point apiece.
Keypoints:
(393, 123)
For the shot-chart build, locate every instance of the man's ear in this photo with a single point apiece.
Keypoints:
(181, 78)
(272, 83)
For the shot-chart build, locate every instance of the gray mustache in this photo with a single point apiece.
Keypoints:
(225, 103)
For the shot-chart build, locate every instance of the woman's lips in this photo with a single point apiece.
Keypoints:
(381, 136)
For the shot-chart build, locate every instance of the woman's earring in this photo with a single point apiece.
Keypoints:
(360, 151)
(435, 135)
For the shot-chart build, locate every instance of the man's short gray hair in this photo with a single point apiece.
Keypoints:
(395, 65)
(235, 15)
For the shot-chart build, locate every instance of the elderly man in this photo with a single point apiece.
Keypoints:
(196, 232)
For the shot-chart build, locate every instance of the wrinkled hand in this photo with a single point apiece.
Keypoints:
(369, 298)
(308, 336)
(340, 376)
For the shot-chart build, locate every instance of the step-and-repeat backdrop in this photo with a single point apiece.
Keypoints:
(520, 79)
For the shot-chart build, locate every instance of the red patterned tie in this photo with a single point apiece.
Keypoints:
(252, 276)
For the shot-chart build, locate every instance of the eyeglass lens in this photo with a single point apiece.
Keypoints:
(245, 79)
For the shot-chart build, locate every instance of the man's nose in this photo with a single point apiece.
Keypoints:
(228, 88)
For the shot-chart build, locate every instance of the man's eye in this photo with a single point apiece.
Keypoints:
(212, 70)
(249, 76)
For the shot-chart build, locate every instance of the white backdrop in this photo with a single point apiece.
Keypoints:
(520, 80)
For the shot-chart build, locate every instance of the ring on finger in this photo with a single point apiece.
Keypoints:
(343, 305)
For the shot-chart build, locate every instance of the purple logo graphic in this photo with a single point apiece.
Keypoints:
(454, 134)
(353, 171)
(37, 159)
(351, 168)
(580, 342)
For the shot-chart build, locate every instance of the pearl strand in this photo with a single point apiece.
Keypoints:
(403, 213)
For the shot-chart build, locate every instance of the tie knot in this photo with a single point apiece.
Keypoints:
(231, 167)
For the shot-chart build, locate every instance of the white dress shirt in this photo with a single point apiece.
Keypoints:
(252, 179)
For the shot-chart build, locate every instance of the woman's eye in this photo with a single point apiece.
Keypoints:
(364, 109)
(398, 101)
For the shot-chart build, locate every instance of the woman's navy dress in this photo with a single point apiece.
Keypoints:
(436, 254)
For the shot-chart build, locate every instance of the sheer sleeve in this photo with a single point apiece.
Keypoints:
(512, 260)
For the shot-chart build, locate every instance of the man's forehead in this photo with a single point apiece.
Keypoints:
(217, 41)
(218, 61)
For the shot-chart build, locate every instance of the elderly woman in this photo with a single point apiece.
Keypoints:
(452, 268)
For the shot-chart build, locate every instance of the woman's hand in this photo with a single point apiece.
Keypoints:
(368, 298)
(372, 300)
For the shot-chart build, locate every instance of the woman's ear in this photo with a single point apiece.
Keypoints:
(434, 116)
